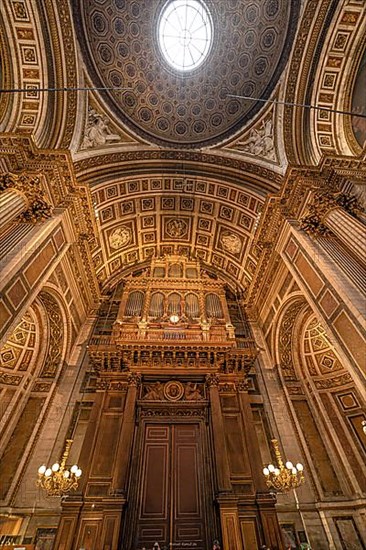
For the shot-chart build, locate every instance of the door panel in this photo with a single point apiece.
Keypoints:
(170, 490)
(187, 517)
(153, 520)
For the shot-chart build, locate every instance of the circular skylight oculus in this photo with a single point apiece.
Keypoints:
(185, 34)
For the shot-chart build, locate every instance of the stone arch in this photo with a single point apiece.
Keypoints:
(35, 54)
(284, 335)
(331, 33)
(58, 328)
(319, 386)
(43, 332)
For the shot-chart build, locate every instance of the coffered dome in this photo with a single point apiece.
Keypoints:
(177, 78)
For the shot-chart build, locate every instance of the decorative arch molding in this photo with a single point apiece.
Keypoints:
(343, 48)
(324, 392)
(41, 54)
(97, 169)
(22, 353)
(7, 72)
(335, 33)
(285, 335)
(58, 329)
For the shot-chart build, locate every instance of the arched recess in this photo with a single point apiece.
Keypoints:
(321, 395)
(32, 361)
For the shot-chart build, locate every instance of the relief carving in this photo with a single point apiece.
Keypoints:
(261, 141)
(337, 381)
(10, 379)
(173, 391)
(97, 131)
(231, 242)
(120, 237)
(285, 340)
(56, 336)
(176, 228)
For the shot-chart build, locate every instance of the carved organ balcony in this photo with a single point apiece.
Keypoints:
(173, 316)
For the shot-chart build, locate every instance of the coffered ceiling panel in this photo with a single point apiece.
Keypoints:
(152, 216)
(120, 43)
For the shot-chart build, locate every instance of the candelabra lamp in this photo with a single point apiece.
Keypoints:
(59, 479)
(284, 477)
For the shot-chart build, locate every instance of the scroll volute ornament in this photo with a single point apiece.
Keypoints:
(30, 186)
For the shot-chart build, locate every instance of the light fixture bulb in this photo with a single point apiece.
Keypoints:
(299, 467)
(271, 468)
(289, 465)
(294, 471)
(55, 467)
(266, 471)
(48, 472)
(78, 472)
(66, 474)
(174, 318)
(277, 472)
(42, 469)
(74, 469)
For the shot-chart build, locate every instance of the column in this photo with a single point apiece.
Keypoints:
(348, 229)
(336, 213)
(126, 436)
(12, 204)
(222, 463)
(251, 438)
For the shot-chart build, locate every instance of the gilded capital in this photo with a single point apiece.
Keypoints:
(134, 379)
(212, 380)
(30, 186)
(314, 223)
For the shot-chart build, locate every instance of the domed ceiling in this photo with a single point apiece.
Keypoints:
(192, 108)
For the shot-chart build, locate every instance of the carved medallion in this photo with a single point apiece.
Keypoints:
(173, 391)
(120, 237)
(231, 242)
(176, 228)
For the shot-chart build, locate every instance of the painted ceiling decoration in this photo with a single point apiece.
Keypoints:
(185, 108)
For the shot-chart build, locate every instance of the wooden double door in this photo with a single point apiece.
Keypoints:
(171, 494)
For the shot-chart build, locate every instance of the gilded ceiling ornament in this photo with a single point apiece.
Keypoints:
(231, 242)
(177, 228)
(120, 237)
(97, 131)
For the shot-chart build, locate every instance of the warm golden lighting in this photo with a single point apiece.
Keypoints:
(284, 477)
(59, 479)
